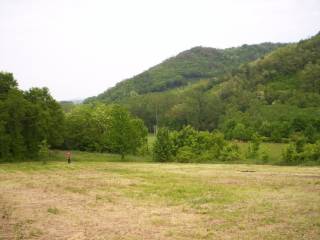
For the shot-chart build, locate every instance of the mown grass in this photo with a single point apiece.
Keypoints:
(98, 198)
(174, 189)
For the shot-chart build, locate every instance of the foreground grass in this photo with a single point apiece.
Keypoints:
(113, 200)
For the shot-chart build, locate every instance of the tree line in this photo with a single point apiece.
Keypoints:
(27, 118)
(190, 145)
(274, 98)
(32, 121)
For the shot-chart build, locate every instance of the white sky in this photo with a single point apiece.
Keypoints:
(79, 48)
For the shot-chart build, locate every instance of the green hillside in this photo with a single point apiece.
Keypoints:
(187, 67)
(276, 95)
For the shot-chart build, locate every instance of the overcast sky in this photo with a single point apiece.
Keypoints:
(79, 48)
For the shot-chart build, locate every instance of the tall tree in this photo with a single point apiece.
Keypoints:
(26, 119)
(125, 133)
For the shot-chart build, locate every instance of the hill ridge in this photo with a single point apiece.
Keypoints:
(186, 67)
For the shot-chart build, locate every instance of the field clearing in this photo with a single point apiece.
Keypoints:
(113, 200)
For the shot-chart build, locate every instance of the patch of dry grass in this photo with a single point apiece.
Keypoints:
(158, 201)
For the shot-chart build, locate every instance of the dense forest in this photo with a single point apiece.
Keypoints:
(198, 102)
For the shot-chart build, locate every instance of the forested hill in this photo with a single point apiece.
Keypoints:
(288, 75)
(276, 96)
(187, 67)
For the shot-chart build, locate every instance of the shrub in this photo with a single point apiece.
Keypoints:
(231, 153)
(162, 149)
(187, 136)
(311, 152)
(189, 145)
(186, 154)
(254, 146)
(294, 154)
(289, 156)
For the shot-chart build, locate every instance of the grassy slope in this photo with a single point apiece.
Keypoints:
(98, 200)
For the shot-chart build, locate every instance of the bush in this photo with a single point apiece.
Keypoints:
(186, 154)
(289, 156)
(231, 153)
(187, 136)
(162, 149)
(254, 146)
(311, 152)
(294, 154)
(189, 145)
(299, 141)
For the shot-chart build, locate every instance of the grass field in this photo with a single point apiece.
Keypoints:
(98, 198)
